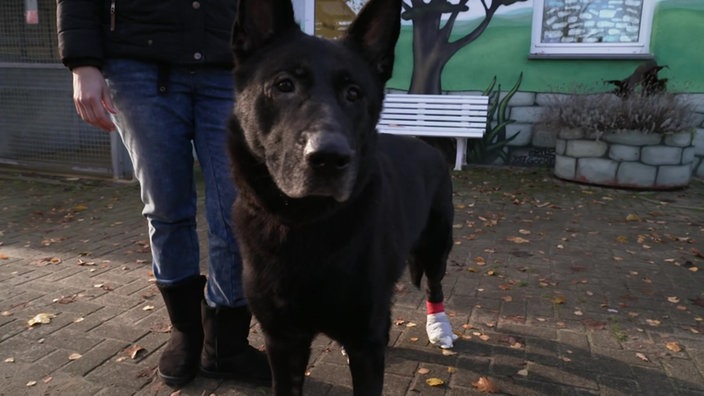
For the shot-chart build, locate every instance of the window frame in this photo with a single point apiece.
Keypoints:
(635, 50)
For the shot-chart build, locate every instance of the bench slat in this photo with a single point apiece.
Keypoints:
(455, 116)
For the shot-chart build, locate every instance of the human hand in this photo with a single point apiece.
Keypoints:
(92, 97)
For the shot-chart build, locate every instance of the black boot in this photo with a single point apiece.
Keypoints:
(226, 350)
(179, 361)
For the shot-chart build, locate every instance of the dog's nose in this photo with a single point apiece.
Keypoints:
(325, 152)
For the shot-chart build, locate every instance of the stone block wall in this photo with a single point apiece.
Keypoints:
(626, 160)
(533, 143)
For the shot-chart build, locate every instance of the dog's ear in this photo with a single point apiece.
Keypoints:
(258, 22)
(375, 31)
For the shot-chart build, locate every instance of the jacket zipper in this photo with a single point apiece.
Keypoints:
(112, 15)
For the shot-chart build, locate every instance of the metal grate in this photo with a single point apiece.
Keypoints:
(39, 127)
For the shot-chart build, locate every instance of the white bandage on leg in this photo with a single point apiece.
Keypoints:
(439, 330)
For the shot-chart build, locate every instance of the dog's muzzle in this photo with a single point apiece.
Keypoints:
(328, 154)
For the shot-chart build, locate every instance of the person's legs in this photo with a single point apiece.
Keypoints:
(157, 129)
(226, 317)
(213, 101)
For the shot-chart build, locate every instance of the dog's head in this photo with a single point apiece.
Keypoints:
(307, 107)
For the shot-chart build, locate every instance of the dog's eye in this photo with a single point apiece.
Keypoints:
(285, 86)
(353, 94)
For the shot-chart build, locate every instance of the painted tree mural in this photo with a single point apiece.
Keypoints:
(432, 48)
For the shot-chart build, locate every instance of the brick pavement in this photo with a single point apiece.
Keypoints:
(556, 289)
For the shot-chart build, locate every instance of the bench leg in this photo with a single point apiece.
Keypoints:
(461, 153)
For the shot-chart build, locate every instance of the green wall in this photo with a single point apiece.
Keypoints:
(502, 50)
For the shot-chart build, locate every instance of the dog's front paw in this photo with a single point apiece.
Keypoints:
(439, 330)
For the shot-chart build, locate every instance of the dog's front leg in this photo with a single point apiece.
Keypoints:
(367, 368)
(288, 358)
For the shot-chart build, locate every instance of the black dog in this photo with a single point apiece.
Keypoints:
(329, 211)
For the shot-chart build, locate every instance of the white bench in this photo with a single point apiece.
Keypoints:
(455, 116)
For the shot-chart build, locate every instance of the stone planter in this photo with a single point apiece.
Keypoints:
(625, 159)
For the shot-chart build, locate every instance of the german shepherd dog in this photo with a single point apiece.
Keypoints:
(329, 211)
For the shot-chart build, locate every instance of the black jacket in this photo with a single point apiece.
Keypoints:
(170, 32)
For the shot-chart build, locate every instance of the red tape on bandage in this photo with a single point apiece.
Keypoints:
(434, 308)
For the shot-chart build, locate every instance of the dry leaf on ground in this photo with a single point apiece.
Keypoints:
(434, 382)
(642, 357)
(41, 318)
(518, 240)
(673, 346)
(484, 384)
(134, 351)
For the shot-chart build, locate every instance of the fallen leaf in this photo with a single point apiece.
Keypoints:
(434, 382)
(74, 356)
(411, 324)
(673, 346)
(66, 299)
(507, 298)
(5, 313)
(41, 318)
(523, 373)
(653, 322)
(134, 351)
(148, 308)
(448, 352)
(31, 383)
(642, 357)
(4, 257)
(484, 384)
(518, 240)
(10, 360)
(413, 339)
(423, 371)
(558, 300)
(632, 217)
(673, 299)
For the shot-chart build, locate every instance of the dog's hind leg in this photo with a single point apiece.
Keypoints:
(431, 250)
(429, 258)
(288, 359)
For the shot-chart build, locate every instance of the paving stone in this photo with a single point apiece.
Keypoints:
(618, 274)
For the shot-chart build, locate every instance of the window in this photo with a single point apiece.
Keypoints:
(592, 28)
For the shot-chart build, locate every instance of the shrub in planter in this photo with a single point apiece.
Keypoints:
(637, 141)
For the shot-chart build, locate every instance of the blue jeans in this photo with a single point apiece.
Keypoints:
(160, 131)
